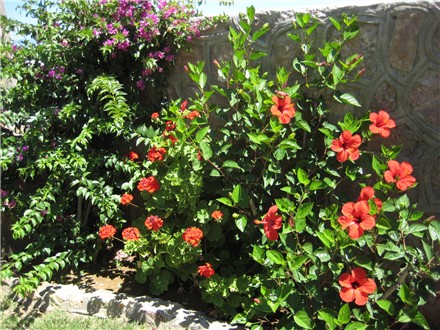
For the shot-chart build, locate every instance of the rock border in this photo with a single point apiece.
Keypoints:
(155, 312)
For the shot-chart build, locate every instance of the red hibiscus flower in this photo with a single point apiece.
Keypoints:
(155, 116)
(126, 199)
(206, 270)
(400, 173)
(131, 234)
(283, 108)
(346, 146)
(356, 286)
(217, 214)
(381, 123)
(357, 218)
(170, 126)
(156, 154)
(366, 194)
(172, 138)
(192, 115)
(153, 222)
(271, 222)
(192, 236)
(132, 155)
(183, 105)
(149, 184)
(107, 231)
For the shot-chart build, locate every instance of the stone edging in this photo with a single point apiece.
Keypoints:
(155, 312)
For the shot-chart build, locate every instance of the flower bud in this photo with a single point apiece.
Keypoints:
(361, 73)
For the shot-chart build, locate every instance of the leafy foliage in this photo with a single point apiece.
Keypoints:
(71, 115)
(253, 153)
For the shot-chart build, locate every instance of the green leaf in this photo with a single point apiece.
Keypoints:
(327, 315)
(335, 23)
(383, 223)
(318, 185)
(303, 320)
(232, 164)
(344, 314)
(415, 228)
(225, 200)
(260, 33)
(420, 320)
(377, 165)
(215, 173)
(202, 80)
(428, 250)
(239, 319)
(201, 134)
(258, 254)
(300, 224)
(434, 230)
(356, 326)
(289, 144)
(388, 207)
(322, 255)
(387, 306)
(259, 138)
(406, 295)
(297, 261)
(302, 176)
(303, 125)
(308, 247)
(256, 55)
(349, 99)
(236, 194)
(206, 150)
(402, 202)
(326, 237)
(404, 316)
(275, 256)
(394, 255)
(304, 210)
(241, 223)
(250, 13)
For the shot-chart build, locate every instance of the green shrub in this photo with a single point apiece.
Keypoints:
(82, 76)
(297, 222)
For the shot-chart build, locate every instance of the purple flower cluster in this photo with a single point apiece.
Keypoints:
(53, 73)
(139, 26)
(9, 203)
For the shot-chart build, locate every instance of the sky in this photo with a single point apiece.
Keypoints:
(211, 7)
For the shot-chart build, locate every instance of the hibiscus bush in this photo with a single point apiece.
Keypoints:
(283, 218)
(85, 77)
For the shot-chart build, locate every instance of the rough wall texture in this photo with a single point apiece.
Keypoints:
(400, 43)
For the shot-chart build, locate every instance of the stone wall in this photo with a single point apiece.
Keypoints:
(400, 42)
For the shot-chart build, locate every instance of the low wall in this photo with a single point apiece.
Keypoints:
(400, 43)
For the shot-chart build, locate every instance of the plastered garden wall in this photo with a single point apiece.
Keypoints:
(400, 43)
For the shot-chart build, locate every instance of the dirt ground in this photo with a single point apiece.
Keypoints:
(120, 279)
